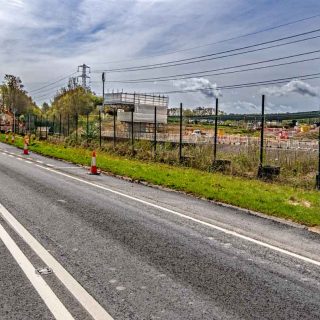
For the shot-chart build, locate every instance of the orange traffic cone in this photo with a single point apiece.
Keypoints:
(93, 169)
(25, 149)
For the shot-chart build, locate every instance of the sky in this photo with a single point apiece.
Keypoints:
(44, 41)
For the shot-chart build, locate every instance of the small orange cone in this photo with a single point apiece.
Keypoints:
(93, 169)
(25, 149)
(25, 146)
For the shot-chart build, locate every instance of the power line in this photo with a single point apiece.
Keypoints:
(246, 85)
(49, 94)
(46, 96)
(217, 42)
(207, 72)
(83, 76)
(46, 91)
(233, 86)
(50, 84)
(201, 58)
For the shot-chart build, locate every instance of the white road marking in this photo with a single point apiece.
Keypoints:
(120, 288)
(50, 165)
(39, 161)
(210, 225)
(64, 167)
(84, 298)
(27, 161)
(56, 307)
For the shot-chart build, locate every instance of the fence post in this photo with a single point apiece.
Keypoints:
(132, 138)
(180, 135)
(100, 133)
(318, 176)
(40, 127)
(53, 124)
(46, 127)
(114, 127)
(59, 126)
(155, 132)
(35, 119)
(29, 128)
(87, 127)
(76, 127)
(29, 125)
(215, 131)
(261, 137)
(68, 125)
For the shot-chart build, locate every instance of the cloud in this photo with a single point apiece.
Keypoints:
(202, 85)
(239, 107)
(294, 86)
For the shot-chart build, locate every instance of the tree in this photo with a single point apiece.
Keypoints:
(45, 107)
(73, 101)
(14, 97)
(187, 113)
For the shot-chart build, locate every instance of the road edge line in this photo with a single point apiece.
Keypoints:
(224, 230)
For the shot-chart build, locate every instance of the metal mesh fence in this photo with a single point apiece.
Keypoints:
(295, 149)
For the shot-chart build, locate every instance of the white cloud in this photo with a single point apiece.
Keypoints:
(294, 86)
(239, 107)
(202, 85)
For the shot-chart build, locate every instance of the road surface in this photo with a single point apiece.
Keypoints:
(121, 250)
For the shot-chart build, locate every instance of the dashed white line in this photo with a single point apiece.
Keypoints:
(65, 167)
(56, 307)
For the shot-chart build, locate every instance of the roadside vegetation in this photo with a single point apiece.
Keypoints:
(14, 98)
(276, 199)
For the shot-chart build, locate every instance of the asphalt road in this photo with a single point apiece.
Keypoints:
(146, 253)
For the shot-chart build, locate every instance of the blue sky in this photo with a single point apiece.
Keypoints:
(44, 40)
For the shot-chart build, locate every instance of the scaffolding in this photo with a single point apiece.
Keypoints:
(142, 105)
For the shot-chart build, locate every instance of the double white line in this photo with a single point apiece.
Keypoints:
(56, 307)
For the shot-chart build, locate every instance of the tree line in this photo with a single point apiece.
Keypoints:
(71, 100)
(14, 98)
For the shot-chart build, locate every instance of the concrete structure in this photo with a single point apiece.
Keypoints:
(142, 106)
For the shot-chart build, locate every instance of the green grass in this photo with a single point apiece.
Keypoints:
(299, 205)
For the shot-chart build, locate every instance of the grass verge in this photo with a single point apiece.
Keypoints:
(298, 205)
